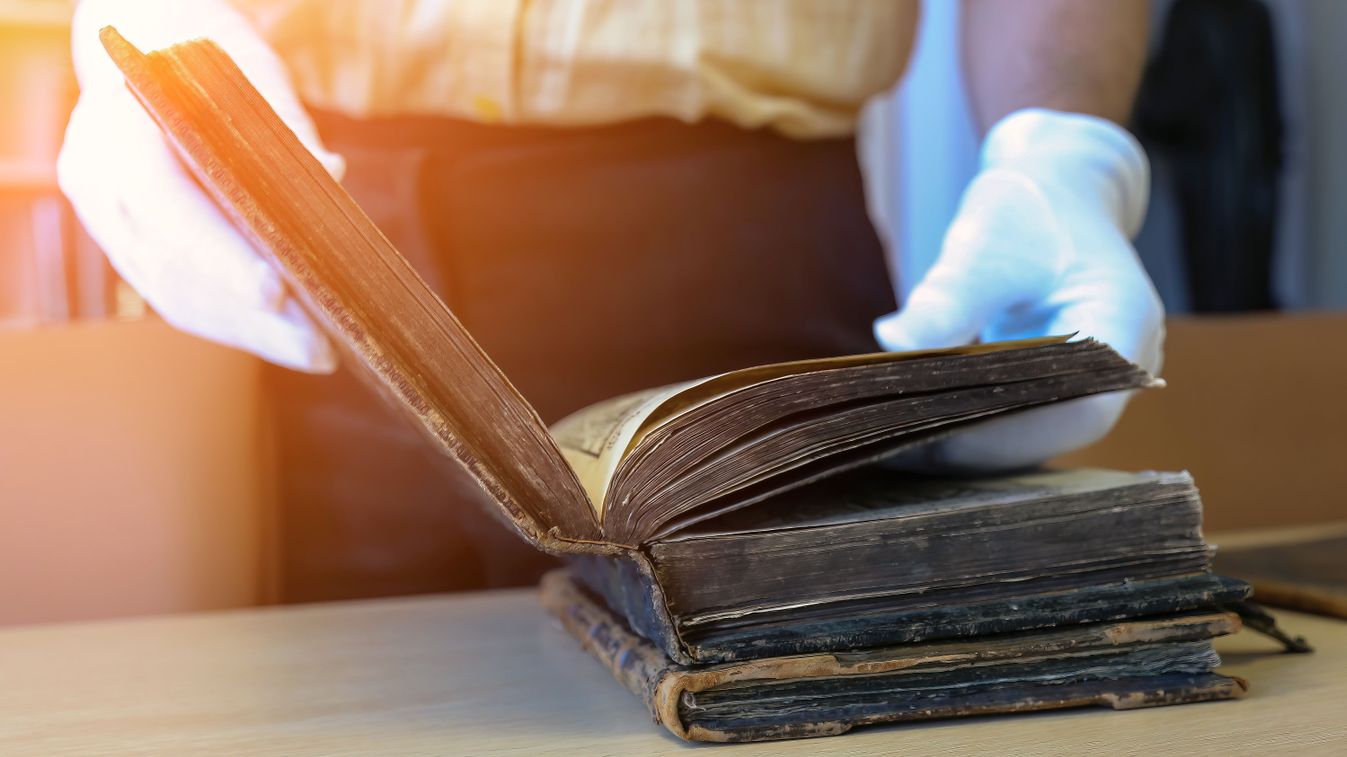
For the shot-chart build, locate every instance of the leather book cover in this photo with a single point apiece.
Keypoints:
(627, 584)
(829, 693)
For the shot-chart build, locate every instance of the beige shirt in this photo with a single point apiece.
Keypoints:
(804, 67)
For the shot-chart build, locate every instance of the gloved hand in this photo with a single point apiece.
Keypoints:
(1039, 246)
(159, 230)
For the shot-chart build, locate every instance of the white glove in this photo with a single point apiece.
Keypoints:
(157, 227)
(1039, 246)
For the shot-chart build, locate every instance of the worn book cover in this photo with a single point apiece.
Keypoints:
(876, 557)
(1121, 665)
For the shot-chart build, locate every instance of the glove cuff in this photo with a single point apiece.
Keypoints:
(1085, 156)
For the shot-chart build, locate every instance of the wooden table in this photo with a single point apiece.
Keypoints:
(490, 674)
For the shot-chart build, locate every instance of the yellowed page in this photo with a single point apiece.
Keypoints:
(596, 439)
(593, 440)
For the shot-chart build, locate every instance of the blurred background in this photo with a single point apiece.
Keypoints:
(135, 473)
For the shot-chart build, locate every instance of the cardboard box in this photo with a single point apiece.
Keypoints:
(134, 477)
(1256, 409)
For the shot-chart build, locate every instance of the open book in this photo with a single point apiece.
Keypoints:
(615, 475)
(731, 557)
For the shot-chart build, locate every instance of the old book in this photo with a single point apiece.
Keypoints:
(1122, 665)
(734, 517)
(612, 477)
(637, 478)
(875, 557)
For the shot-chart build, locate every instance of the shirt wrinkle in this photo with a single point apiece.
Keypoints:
(802, 67)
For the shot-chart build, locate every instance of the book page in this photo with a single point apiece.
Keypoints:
(695, 394)
(595, 440)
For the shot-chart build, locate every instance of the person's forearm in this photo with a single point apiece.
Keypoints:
(1081, 56)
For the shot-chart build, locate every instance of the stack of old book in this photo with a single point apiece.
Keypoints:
(736, 559)
(874, 597)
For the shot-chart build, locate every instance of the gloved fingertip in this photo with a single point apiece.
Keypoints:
(333, 163)
(922, 328)
(313, 353)
(324, 357)
(299, 343)
(890, 333)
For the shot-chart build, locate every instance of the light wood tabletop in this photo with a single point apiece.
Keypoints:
(490, 674)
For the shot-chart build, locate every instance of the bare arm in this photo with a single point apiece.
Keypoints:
(1080, 56)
